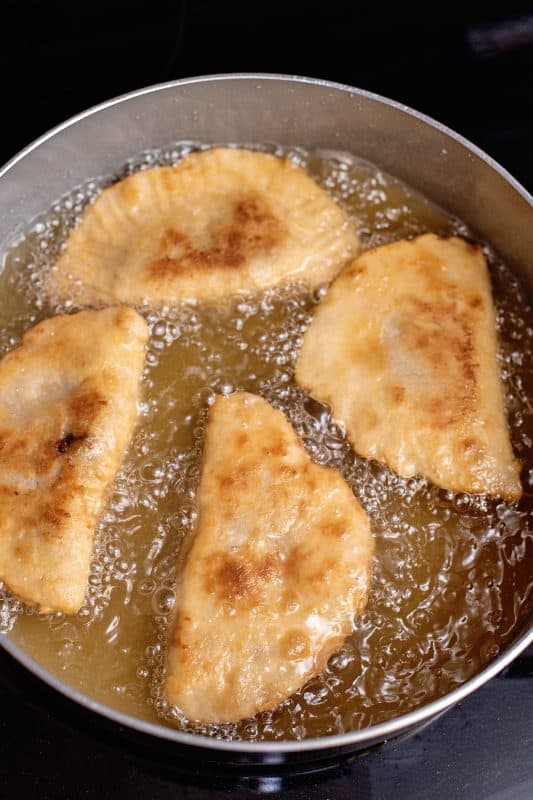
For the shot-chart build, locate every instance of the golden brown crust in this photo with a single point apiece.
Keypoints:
(252, 229)
(412, 365)
(279, 564)
(219, 222)
(68, 403)
(242, 578)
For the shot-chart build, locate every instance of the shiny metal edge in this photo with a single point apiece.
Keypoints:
(268, 76)
(341, 741)
(383, 731)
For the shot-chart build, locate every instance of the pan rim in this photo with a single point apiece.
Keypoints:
(274, 751)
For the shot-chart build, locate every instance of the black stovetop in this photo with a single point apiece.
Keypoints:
(482, 749)
(468, 65)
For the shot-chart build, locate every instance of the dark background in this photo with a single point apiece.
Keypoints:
(469, 65)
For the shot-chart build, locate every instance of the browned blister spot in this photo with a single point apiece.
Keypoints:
(242, 439)
(45, 458)
(53, 515)
(300, 567)
(442, 413)
(355, 270)
(13, 447)
(7, 491)
(398, 394)
(22, 551)
(309, 480)
(295, 557)
(474, 449)
(323, 573)
(252, 229)
(287, 472)
(336, 528)
(226, 481)
(275, 447)
(242, 578)
(85, 409)
(64, 444)
(129, 193)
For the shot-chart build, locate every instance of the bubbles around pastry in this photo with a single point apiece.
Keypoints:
(451, 575)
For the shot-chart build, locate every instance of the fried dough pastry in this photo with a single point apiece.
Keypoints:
(404, 350)
(218, 222)
(277, 568)
(68, 404)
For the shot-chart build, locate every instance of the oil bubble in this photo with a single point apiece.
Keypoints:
(450, 572)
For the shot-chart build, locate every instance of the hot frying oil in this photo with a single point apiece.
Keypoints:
(450, 576)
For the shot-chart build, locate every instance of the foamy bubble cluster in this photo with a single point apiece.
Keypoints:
(450, 570)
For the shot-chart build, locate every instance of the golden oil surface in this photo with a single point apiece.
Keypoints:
(452, 574)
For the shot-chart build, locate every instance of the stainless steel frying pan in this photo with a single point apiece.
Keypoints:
(294, 111)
